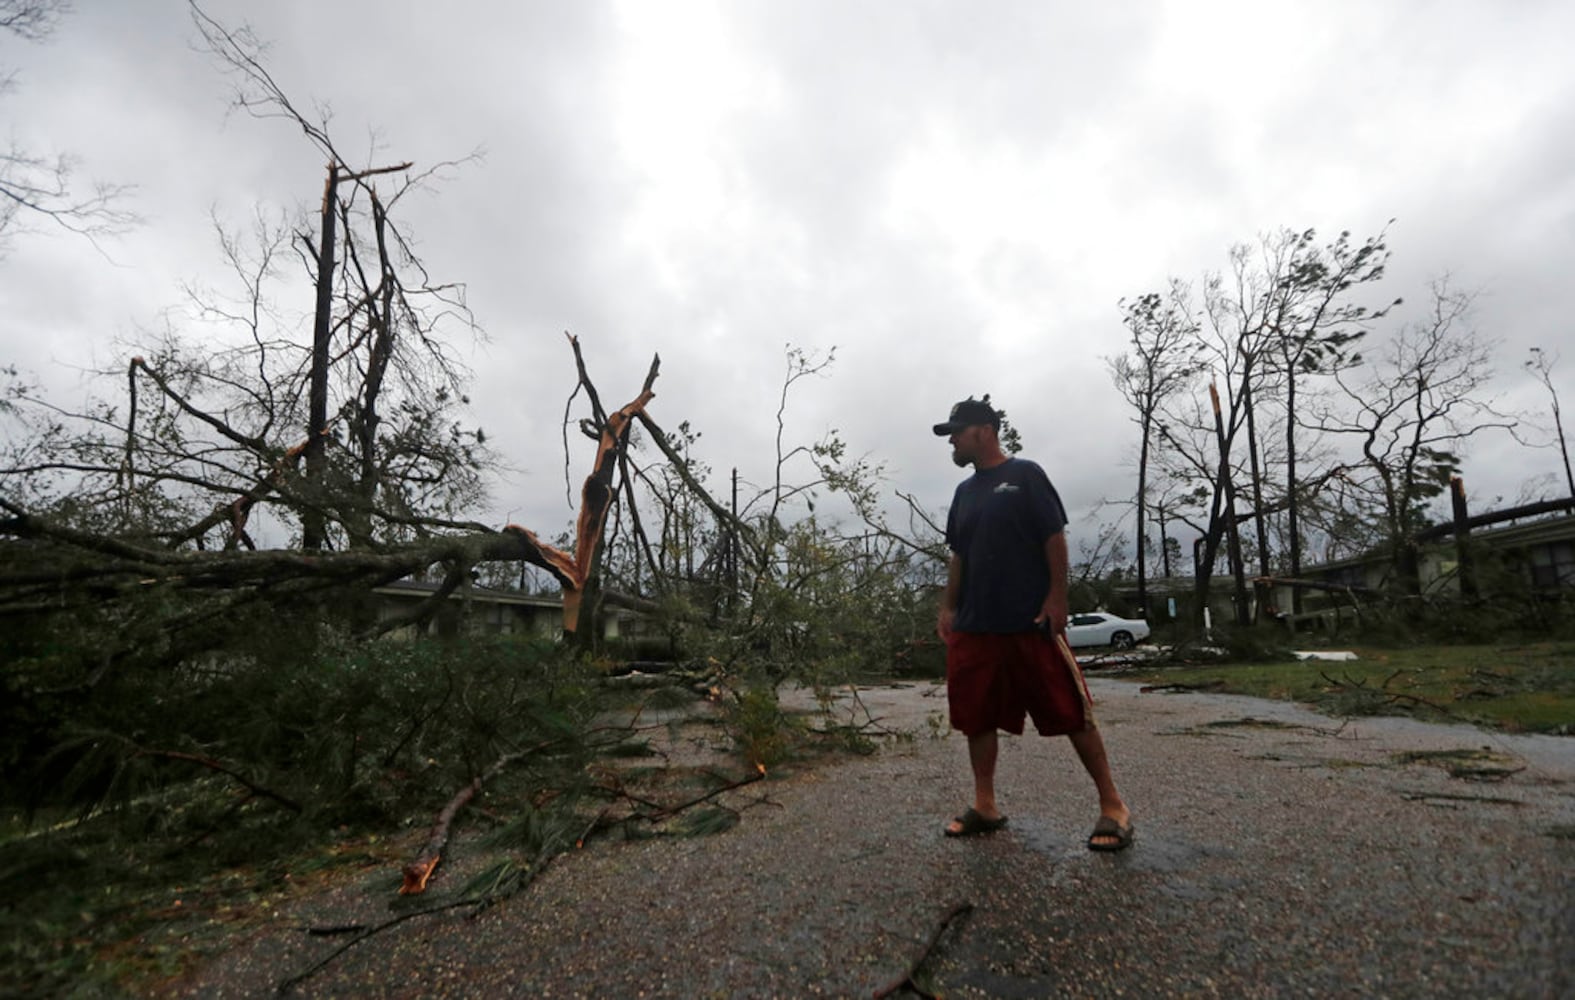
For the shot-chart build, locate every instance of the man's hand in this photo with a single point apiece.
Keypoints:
(943, 623)
(1054, 612)
(949, 598)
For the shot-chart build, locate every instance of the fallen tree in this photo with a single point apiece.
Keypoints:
(192, 644)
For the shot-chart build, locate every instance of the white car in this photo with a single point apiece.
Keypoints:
(1099, 628)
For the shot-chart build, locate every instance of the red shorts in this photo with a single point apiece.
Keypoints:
(995, 680)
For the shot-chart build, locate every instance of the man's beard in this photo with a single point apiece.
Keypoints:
(960, 460)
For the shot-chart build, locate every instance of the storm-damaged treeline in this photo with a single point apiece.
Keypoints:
(166, 662)
(1290, 410)
(191, 643)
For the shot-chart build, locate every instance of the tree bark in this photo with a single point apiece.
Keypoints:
(596, 495)
(1142, 523)
(1232, 528)
(1293, 537)
(313, 524)
(1259, 514)
(1462, 518)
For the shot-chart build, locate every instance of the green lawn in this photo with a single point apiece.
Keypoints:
(1525, 687)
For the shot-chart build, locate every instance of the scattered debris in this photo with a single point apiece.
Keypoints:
(1436, 798)
(1248, 722)
(418, 871)
(1181, 688)
(1474, 764)
(1368, 698)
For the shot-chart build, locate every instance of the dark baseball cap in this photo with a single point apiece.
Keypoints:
(968, 413)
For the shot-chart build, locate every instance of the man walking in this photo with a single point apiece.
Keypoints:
(1003, 619)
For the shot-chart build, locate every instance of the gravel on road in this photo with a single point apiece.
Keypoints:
(1279, 852)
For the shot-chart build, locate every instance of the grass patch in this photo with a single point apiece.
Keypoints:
(1515, 688)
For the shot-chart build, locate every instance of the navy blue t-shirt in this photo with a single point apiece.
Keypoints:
(998, 523)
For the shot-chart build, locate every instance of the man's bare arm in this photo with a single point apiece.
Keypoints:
(948, 611)
(1055, 607)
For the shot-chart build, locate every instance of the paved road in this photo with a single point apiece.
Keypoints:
(1279, 854)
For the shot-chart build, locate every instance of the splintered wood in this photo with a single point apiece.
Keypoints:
(596, 495)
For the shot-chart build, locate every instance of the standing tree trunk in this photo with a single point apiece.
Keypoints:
(1163, 361)
(313, 527)
(1258, 513)
(1142, 535)
(381, 324)
(1317, 330)
(1467, 571)
(1293, 537)
(1164, 541)
(1227, 493)
(1542, 365)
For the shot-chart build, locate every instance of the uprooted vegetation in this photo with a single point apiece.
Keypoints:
(157, 826)
(196, 726)
(200, 705)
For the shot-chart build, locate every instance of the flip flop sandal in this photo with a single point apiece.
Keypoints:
(972, 824)
(1106, 828)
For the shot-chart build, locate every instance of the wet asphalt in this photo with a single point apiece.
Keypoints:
(1279, 853)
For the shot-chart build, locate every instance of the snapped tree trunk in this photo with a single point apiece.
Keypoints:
(1468, 577)
(313, 526)
(596, 496)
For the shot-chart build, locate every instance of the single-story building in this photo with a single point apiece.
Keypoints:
(1536, 555)
(486, 611)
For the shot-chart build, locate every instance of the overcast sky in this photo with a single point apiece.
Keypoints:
(953, 194)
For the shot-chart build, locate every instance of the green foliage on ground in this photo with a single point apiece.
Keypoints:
(1522, 687)
(764, 734)
(128, 854)
(118, 836)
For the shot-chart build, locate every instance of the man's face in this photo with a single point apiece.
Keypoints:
(965, 445)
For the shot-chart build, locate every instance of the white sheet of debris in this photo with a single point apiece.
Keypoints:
(1337, 655)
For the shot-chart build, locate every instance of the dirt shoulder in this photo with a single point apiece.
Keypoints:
(1278, 851)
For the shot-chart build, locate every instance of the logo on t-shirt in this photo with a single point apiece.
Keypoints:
(1006, 488)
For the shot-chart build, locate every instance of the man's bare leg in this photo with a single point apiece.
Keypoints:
(1090, 748)
(983, 749)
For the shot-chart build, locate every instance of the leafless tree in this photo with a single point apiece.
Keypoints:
(1201, 436)
(33, 20)
(1410, 410)
(1281, 312)
(1317, 327)
(1541, 364)
(41, 185)
(1163, 360)
(354, 440)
